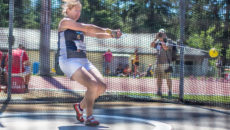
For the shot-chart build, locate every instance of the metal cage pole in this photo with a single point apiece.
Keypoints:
(10, 41)
(45, 37)
(182, 38)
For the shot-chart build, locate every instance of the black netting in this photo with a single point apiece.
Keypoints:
(197, 78)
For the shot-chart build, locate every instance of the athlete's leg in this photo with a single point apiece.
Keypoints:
(83, 77)
(100, 81)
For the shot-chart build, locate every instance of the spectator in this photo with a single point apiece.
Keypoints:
(136, 63)
(132, 63)
(127, 70)
(149, 71)
(108, 56)
(20, 64)
(219, 66)
(27, 68)
(163, 61)
(3, 73)
(1, 56)
(119, 70)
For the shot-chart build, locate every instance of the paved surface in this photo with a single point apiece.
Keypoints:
(136, 115)
(115, 116)
(67, 121)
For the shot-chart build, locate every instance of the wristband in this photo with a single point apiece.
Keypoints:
(114, 34)
(108, 31)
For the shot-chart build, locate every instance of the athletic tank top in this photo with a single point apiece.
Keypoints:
(136, 58)
(71, 44)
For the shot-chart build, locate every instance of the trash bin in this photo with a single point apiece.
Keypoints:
(36, 67)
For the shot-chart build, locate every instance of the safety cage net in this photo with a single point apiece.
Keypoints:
(196, 34)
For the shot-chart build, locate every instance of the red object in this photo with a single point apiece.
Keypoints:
(0, 56)
(108, 56)
(227, 76)
(19, 56)
(91, 121)
(79, 113)
(18, 85)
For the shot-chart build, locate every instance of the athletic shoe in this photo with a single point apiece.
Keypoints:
(159, 93)
(91, 121)
(79, 112)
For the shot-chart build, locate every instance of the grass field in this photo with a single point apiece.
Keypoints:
(194, 98)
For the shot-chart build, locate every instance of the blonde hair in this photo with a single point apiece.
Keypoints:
(69, 4)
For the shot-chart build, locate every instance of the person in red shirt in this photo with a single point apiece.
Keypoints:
(20, 64)
(108, 56)
(0, 58)
(0, 65)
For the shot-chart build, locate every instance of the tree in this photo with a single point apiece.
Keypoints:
(4, 15)
(204, 40)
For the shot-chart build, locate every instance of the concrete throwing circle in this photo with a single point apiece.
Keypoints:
(67, 121)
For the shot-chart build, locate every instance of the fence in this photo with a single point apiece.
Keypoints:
(194, 28)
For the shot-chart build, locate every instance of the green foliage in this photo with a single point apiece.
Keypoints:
(4, 13)
(206, 24)
(22, 14)
(204, 40)
(129, 15)
(228, 53)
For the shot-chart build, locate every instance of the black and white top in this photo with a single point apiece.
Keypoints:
(71, 44)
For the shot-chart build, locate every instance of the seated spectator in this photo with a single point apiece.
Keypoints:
(20, 64)
(119, 70)
(149, 71)
(127, 70)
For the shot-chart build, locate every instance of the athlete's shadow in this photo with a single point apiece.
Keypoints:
(4, 105)
(57, 84)
(3, 108)
(83, 127)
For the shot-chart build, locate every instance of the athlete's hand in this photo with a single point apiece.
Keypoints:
(116, 33)
(119, 33)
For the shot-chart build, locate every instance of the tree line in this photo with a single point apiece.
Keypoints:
(206, 23)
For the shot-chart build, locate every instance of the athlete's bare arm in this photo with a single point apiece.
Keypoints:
(88, 29)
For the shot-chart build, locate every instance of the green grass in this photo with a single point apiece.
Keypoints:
(207, 98)
(198, 98)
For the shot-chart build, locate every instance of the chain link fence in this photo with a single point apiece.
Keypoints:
(192, 29)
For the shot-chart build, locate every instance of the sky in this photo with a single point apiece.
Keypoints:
(55, 3)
